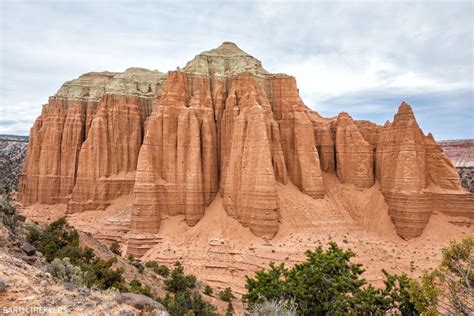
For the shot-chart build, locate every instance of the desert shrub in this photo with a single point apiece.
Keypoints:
(100, 273)
(208, 290)
(274, 307)
(425, 293)
(226, 295)
(320, 285)
(64, 270)
(159, 269)
(115, 248)
(135, 286)
(58, 241)
(456, 274)
(184, 299)
(329, 283)
(188, 302)
(130, 258)
(178, 281)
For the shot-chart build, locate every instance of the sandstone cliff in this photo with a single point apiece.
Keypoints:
(225, 127)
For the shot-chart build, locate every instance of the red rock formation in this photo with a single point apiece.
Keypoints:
(254, 161)
(354, 155)
(408, 166)
(108, 156)
(224, 124)
(297, 136)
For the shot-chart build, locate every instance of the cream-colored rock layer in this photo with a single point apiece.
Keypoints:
(225, 60)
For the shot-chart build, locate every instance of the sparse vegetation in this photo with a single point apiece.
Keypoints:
(226, 295)
(135, 286)
(456, 273)
(8, 214)
(64, 270)
(162, 270)
(208, 290)
(185, 299)
(58, 241)
(115, 248)
(178, 281)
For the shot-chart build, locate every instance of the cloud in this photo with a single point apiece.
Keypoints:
(360, 57)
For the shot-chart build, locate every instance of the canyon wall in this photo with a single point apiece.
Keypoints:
(223, 126)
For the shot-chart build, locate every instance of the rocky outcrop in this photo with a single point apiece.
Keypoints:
(177, 165)
(354, 154)
(254, 161)
(84, 146)
(414, 173)
(224, 125)
(12, 156)
(297, 136)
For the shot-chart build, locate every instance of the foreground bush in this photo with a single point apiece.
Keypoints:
(185, 299)
(64, 270)
(456, 274)
(60, 246)
(328, 283)
(178, 281)
(162, 270)
(274, 307)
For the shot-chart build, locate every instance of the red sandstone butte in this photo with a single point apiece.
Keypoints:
(224, 128)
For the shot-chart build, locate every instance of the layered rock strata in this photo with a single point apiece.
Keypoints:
(223, 125)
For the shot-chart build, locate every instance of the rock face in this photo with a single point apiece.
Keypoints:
(223, 125)
(12, 156)
(354, 154)
(461, 153)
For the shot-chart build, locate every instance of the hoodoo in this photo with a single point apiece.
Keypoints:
(224, 128)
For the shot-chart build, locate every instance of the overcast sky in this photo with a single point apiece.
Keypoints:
(364, 58)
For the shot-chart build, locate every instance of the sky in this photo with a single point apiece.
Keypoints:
(363, 57)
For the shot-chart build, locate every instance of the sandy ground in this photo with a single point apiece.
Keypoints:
(220, 251)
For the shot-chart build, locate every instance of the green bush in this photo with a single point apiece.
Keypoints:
(184, 298)
(226, 295)
(188, 302)
(329, 283)
(100, 273)
(162, 270)
(58, 241)
(135, 286)
(115, 248)
(208, 290)
(178, 281)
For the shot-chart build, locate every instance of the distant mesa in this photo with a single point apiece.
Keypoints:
(224, 128)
